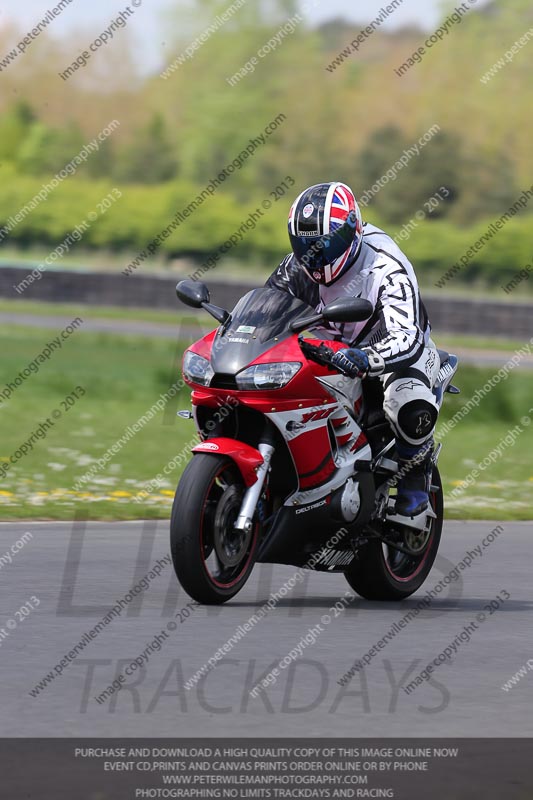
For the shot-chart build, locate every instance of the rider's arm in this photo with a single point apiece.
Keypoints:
(398, 308)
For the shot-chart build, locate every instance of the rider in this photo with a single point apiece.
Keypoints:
(335, 254)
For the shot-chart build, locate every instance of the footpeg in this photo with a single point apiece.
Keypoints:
(419, 522)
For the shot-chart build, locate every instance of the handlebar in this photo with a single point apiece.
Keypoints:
(320, 354)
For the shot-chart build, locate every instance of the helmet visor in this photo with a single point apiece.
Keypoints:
(316, 252)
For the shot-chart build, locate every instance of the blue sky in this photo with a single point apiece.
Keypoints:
(149, 30)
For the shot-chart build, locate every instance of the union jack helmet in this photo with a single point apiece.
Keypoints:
(326, 230)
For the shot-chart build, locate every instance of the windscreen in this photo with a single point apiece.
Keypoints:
(268, 312)
(258, 318)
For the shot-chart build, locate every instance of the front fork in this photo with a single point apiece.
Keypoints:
(253, 493)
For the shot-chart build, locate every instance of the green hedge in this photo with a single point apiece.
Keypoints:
(142, 213)
(434, 247)
(139, 216)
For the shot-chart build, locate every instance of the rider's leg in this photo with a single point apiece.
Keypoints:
(412, 411)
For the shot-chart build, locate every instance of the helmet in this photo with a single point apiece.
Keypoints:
(326, 230)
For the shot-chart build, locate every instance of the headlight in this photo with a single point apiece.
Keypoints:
(267, 376)
(197, 369)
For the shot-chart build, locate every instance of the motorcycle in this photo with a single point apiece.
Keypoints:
(296, 463)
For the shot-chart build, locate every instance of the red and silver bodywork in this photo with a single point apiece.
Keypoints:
(315, 414)
(300, 437)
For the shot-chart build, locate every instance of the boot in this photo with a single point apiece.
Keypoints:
(413, 486)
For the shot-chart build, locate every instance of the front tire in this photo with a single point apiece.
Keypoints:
(382, 573)
(211, 559)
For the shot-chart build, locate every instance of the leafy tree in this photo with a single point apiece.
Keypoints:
(14, 127)
(101, 163)
(487, 189)
(438, 164)
(46, 150)
(151, 158)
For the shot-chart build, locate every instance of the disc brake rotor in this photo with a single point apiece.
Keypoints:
(416, 541)
(230, 545)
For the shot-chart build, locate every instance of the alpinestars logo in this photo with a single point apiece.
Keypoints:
(409, 385)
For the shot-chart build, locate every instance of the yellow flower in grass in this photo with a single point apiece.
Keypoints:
(457, 483)
(167, 492)
(120, 494)
(6, 494)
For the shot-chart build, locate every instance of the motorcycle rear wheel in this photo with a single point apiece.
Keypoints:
(382, 573)
(211, 559)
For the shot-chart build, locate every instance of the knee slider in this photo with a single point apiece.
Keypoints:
(417, 419)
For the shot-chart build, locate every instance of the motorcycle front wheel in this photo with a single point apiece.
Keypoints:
(211, 559)
(381, 572)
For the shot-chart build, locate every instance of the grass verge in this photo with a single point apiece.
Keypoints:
(123, 376)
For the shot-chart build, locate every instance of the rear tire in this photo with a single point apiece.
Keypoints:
(382, 573)
(212, 561)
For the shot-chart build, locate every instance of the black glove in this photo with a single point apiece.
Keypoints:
(351, 361)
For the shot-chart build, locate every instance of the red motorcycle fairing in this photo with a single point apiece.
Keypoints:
(303, 399)
(311, 452)
(303, 391)
(246, 458)
(203, 346)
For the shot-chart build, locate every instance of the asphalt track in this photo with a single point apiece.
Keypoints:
(78, 571)
(181, 332)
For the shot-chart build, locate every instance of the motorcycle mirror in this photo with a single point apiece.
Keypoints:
(347, 309)
(303, 323)
(193, 293)
(220, 314)
(196, 294)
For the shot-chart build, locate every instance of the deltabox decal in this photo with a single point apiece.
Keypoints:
(310, 508)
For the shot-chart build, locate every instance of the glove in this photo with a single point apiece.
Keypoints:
(351, 361)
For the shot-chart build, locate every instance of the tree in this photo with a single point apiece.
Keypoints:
(151, 158)
(46, 150)
(14, 127)
(407, 186)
